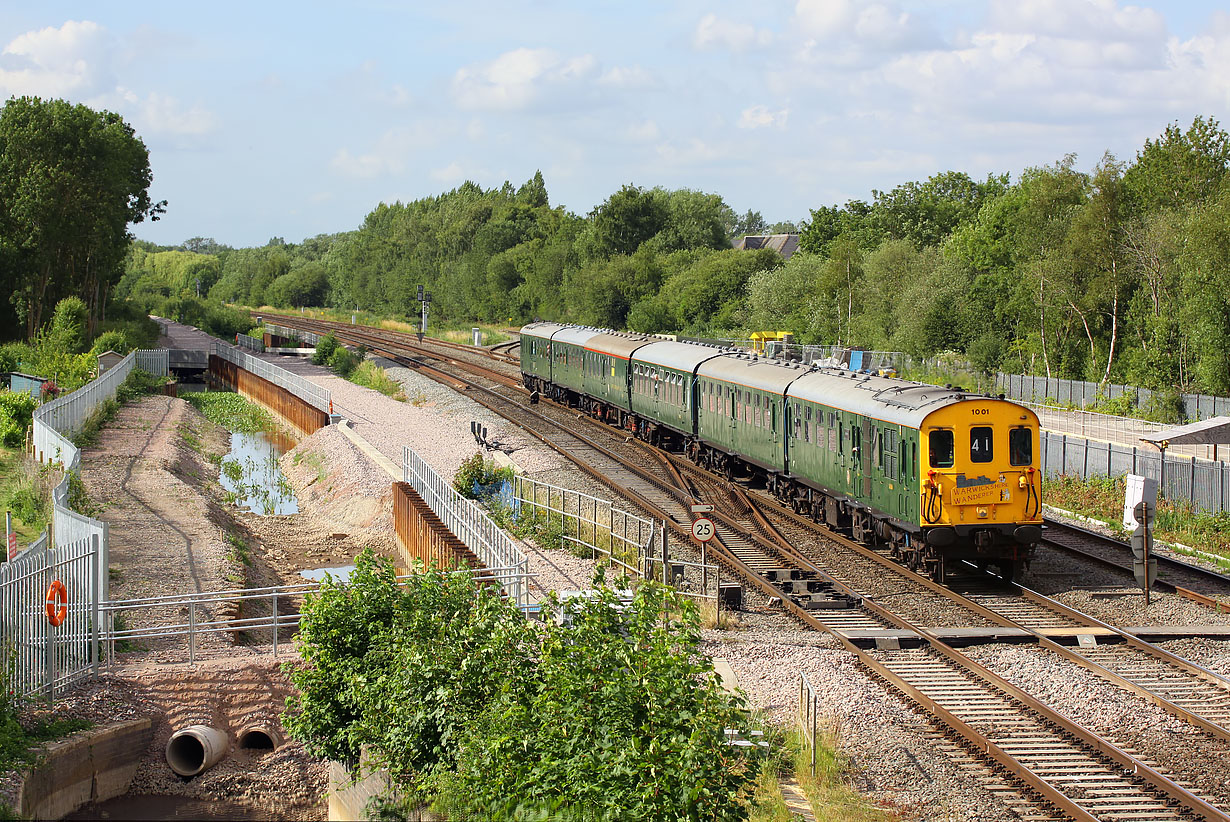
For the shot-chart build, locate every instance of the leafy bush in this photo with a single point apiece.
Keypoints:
(343, 362)
(476, 473)
(372, 376)
(111, 341)
(325, 347)
(447, 686)
(16, 413)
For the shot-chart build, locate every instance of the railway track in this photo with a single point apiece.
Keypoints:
(1200, 585)
(1070, 768)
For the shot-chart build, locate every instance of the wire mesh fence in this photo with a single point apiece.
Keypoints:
(1082, 394)
(250, 343)
(1206, 485)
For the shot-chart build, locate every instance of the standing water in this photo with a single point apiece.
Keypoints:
(251, 473)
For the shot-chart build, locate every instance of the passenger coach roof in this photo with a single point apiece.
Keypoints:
(676, 355)
(575, 334)
(617, 345)
(745, 370)
(543, 330)
(883, 398)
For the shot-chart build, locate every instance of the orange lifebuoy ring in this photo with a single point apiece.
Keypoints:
(57, 603)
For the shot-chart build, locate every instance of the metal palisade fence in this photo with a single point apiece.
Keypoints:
(56, 421)
(250, 343)
(42, 659)
(467, 521)
(307, 391)
(307, 337)
(1205, 484)
(1083, 393)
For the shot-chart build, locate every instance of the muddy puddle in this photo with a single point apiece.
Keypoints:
(251, 474)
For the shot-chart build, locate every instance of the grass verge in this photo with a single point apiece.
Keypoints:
(1101, 498)
(372, 376)
(25, 489)
(831, 796)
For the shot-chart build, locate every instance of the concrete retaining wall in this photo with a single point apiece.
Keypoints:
(92, 766)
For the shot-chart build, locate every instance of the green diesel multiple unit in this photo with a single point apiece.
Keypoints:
(935, 473)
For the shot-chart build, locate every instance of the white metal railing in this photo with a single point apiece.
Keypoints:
(193, 619)
(307, 391)
(589, 522)
(467, 521)
(41, 659)
(308, 337)
(56, 421)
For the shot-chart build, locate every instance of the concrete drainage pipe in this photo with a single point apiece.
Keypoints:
(195, 749)
(259, 738)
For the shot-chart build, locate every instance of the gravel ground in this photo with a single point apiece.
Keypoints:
(1132, 723)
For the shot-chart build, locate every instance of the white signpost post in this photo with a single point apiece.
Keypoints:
(1139, 511)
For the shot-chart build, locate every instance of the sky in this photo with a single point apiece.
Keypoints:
(273, 118)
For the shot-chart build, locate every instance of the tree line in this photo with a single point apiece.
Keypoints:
(1117, 273)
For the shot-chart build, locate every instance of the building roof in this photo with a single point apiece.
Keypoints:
(1213, 431)
(783, 244)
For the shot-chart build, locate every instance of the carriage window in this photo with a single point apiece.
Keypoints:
(1021, 446)
(758, 411)
(980, 443)
(942, 449)
(807, 426)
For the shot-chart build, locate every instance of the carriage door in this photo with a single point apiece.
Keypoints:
(867, 444)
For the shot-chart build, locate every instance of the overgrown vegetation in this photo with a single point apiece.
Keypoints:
(478, 477)
(1177, 521)
(25, 489)
(232, 412)
(483, 714)
(22, 730)
(828, 789)
(372, 376)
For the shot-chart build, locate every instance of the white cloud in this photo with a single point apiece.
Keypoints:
(644, 132)
(70, 61)
(451, 173)
(80, 61)
(715, 32)
(853, 25)
(629, 77)
(159, 114)
(762, 116)
(390, 155)
(519, 79)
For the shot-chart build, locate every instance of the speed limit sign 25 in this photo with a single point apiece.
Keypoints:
(702, 529)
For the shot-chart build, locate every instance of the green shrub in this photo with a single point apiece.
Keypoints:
(343, 362)
(476, 473)
(325, 347)
(111, 341)
(16, 416)
(468, 705)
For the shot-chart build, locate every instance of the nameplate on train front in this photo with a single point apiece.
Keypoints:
(975, 495)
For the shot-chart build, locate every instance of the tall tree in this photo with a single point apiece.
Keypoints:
(72, 180)
(1179, 167)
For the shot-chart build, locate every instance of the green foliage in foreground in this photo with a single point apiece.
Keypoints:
(1177, 521)
(471, 707)
(232, 412)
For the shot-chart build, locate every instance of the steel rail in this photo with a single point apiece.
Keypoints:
(1121, 548)
(1092, 741)
(976, 739)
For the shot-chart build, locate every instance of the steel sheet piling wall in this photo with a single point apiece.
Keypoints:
(422, 535)
(299, 412)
